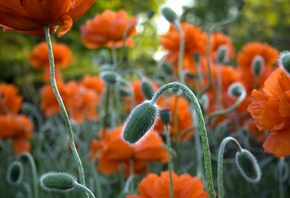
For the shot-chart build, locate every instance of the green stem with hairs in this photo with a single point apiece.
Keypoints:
(220, 163)
(62, 107)
(170, 164)
(201, 126)
(85, 189)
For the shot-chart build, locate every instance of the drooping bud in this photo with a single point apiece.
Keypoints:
(222, 55)
(165, 116)
(196, 57)
(284, 62)
(110, 77)
(150, 14)
(257, 65)
(15, 173)
(166, 67)
(169, 14)
(57, 182)
(236, 89)
(141, 120)
(147, 89)
(248, 166)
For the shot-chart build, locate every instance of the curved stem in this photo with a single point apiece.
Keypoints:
(220, 163)
(170, 165)
(202, 129)
(62, 107)
(181, 52)
(85, 189)
(33, 172)
(229, 109)
(211, 30)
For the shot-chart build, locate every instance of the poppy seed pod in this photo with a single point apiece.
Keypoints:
(236, 90)
(284, 62)
(248, 166)
(15, 173)
(257, 65)
(222, 54)
(57, 182)
(147, 89)
(141, 120)
(169, 14)
(165, 116)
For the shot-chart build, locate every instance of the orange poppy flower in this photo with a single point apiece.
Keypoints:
(247, 55)
(195, 43)
(29, 16)
(184, 118)
(93, 82)
(271, 110)
(112, 152)
(218, 40)
(10, 101)
(21, 145)
(107, 29)
(158, 186)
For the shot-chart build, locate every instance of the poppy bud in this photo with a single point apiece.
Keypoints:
(222, 54)
(284, 62)
(248, 166)
(257, 65)
(196, 57)
(15, 173)
(57, 182)
(169, 14)
(236, 90)
(110, 77)
(150, 13)
(141, 120)
(165, 116)
(147, 89)
(166, 67)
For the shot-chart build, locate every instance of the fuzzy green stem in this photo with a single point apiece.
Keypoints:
(281, 166)
(211, 30)
(181, 51)
(229, 109)
(220, 163)
(202, 129)
(85, 189)
(62, 106)
(33, 172)
(170, 165)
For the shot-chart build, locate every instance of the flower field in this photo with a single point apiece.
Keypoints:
(207, 119)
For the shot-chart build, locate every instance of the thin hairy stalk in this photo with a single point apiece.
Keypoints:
(170, 165)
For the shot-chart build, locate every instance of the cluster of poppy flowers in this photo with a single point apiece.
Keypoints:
(255, 70)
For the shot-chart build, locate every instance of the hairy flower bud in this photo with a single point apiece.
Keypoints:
(248, 166)
(165, 116)
(236, 89)
(141, 120)
(147, 89)
(57, 182)
(15, 173)
(169, 14)
(110, 77)
(284, 62)
(222, 54)
(257, 65)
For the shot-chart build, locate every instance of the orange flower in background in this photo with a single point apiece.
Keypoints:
(271, 110)
(195, 43)
(30, 16)
(153, 186)
(184, 117)
(39, 58)
(112, 152)
(10, 100)
(251, 51)
(93, 82)
(107, 29)
(218, 40)
(21, 145)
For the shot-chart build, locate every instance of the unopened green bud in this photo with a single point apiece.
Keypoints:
(169, 14)
(141, 120)
(165, 116)
(284, 62)
(150, 13)
(166, 67)
(248, 166)
(110, 77)
(196, 57)
(236, 89)
(240, 4)
(15, 173)
(257, 65)
(147, 89)
(57, 182)
(222, 54)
